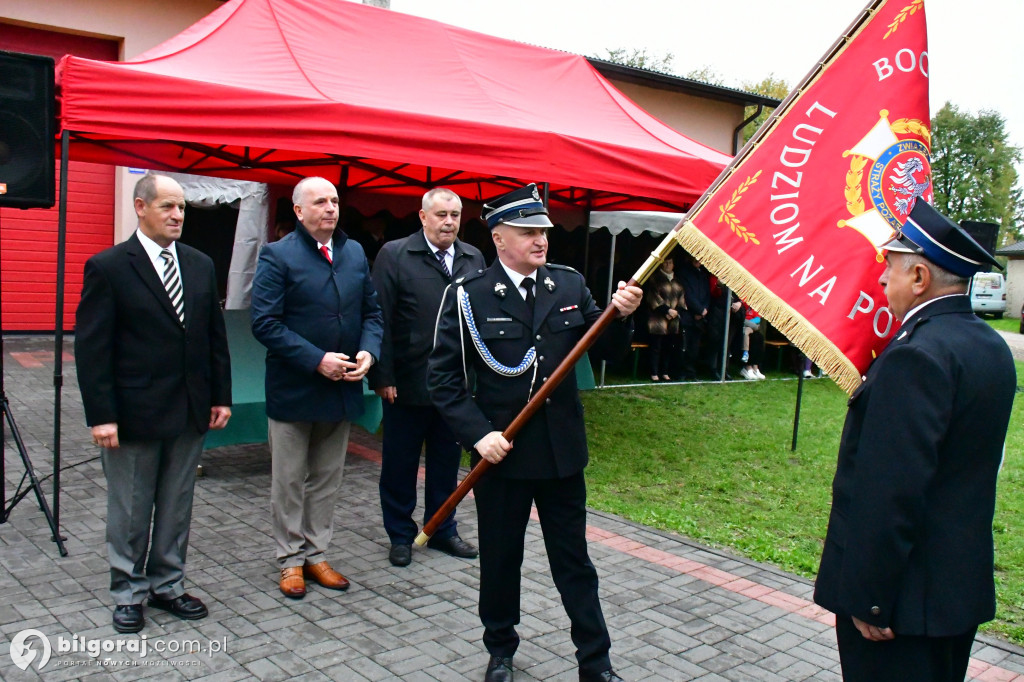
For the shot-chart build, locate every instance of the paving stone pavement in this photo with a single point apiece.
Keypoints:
(676, 610)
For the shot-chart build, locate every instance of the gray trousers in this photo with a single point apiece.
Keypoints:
(150, 484)
(307, 462)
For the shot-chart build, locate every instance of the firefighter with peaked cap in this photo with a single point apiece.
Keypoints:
(511, 325)
(907, 565)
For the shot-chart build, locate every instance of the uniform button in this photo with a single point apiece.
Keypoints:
(548, 401)
(538, 337)
(540, 359)
(543, 380)
(875, 610)
(501, 333)
(567, 322)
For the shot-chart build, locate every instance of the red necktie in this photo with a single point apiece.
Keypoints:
(327, 254)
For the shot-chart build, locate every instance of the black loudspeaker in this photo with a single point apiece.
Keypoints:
(983, 233)
(27, 129)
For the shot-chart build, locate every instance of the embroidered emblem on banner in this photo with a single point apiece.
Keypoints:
(725, 211)
(890, 170)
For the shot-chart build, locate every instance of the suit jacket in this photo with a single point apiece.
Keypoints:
(553, 444)
(137, 366)
(909, 543)
(304, 307)
(410, 283)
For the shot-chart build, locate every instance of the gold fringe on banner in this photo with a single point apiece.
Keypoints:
(788, 321)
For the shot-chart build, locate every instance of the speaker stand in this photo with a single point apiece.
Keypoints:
(30, 474)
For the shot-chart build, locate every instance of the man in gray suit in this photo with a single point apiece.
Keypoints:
(152, 358)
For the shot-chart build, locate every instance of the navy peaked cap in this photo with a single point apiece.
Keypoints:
(934, 236)
(518, 208)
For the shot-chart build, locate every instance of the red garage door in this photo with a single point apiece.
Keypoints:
(28, 238)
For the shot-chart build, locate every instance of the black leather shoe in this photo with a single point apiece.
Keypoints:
(184, 607)
(128, 618)
(499, 669)
(603, 676)
(455, 546)
(400, 555)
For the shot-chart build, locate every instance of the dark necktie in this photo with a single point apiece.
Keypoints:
(444, 263)
(528, 285)
(172, 283)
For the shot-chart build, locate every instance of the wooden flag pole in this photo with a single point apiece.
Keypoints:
(567, 365)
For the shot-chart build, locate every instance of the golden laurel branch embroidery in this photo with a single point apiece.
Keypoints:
(902, 15)
(854, 181)
(732, 221)
(912, 126)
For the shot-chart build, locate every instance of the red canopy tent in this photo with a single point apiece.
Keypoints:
(373, 99)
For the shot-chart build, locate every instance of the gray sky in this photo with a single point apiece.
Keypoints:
(975, 48)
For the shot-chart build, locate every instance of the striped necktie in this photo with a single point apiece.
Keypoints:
(444, 263)
(173, 285)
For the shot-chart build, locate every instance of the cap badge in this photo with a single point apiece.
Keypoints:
(500, 290)
(549, 284)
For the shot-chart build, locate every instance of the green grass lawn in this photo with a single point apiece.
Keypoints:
(1004, 324)
(713, 462)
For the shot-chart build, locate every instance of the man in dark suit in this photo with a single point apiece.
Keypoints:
(907, 565)
(315, 309)
(152, 359)
(410, 276)
(513, 324)
(694, 318)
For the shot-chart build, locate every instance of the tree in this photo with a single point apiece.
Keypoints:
(769, 87)
(973, 172)
(639, 59)
(706, 74)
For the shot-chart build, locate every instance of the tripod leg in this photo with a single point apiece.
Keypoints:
(35, 485)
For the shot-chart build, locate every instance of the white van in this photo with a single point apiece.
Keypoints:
(988, 294)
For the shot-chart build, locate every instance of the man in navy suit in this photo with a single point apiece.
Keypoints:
(152, 359)
(315, 309)
(907, 565)
(410, 276)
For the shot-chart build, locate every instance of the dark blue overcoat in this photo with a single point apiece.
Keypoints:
(303, 307)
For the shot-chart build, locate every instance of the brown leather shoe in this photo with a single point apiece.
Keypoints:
(323, 574)
(292, 585)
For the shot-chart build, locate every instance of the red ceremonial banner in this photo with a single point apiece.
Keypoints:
(794, 226)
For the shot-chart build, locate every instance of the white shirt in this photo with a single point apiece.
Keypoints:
(517, 279)
(153, 251)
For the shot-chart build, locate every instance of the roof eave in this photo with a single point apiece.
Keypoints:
(663, 81)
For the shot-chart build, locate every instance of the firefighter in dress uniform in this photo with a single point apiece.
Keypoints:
(511, 325)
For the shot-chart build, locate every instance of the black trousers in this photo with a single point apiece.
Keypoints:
(503, 509)
(693, 338)
(406, 429)
(664, 353)
(907, 657)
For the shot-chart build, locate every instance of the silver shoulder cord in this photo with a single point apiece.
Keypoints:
(466, 313)
(437, 324)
